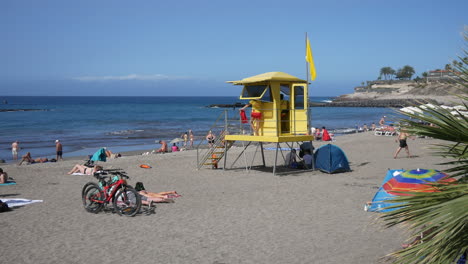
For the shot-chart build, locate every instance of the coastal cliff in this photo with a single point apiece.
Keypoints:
(400, 94)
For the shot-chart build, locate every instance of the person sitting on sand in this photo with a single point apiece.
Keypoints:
(318, 134)
(3, 176)
(161, 197)
(27, 158)
(325, 135)
(307, 158)
(290, 161)
(175, 148)
(163, 147)
(84, 170)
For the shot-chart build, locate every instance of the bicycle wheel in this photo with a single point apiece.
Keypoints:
(85, 187)
(93, 198)
(127, 201)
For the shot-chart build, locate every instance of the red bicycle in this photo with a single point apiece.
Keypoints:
(112, 187)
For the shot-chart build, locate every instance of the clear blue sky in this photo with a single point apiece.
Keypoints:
(186, 47)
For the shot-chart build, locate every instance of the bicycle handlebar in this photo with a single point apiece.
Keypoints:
(102, 174)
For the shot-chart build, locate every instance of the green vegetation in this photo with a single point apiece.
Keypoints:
(442, 215)
(387, 72)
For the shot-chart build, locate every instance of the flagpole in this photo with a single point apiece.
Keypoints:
(307, 89)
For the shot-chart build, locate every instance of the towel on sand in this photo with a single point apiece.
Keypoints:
(8, 183)
(16, 202)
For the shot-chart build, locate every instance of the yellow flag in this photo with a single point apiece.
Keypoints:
(310, 60)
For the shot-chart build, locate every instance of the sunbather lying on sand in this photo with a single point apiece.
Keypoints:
(161, 197)
(109, 154)
(84, 170)
(3, 176)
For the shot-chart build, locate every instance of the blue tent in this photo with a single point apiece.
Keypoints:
(378, 202)
(330, 158)
(100, 155)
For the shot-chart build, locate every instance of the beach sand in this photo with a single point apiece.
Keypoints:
(223, 216)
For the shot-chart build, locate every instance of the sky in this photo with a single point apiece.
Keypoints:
(191, 48)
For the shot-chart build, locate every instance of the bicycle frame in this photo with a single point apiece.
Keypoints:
(106, 187)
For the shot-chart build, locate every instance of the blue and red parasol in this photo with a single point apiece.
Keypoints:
(401, 182)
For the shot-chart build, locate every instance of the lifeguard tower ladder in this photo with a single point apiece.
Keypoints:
(285, 115)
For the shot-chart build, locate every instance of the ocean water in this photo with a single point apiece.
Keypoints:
(84, 124)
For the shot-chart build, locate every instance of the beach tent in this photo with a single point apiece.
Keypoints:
(396, 182)
(330, 158)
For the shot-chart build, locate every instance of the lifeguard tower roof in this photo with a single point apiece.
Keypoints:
(269, 76)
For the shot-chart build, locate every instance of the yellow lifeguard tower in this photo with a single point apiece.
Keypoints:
(283, 102)
(282, 120)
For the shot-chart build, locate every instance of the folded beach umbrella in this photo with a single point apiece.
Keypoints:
(399, 182)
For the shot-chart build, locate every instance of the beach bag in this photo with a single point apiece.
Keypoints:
(139, 186)
(4, 207)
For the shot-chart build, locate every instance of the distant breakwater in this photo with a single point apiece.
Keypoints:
(394, 103)
(21, 110)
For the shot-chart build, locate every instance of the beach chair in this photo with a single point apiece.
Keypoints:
(379, 132)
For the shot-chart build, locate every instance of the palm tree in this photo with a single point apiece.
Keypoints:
(443, 215)
(386, 72)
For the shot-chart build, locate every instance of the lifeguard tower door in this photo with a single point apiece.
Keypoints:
(299, 107)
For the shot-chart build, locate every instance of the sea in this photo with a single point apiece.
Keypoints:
(86, 123)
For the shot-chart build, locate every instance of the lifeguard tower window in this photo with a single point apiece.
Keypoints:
(298, 97)
(259, 92)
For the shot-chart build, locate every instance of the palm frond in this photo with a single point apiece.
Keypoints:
(442, 216)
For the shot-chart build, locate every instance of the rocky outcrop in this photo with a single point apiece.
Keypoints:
(402, 93)
(396, 103)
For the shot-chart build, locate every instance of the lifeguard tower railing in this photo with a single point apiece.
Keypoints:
(229, 122)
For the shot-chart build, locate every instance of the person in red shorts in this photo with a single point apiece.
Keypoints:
(255, 115)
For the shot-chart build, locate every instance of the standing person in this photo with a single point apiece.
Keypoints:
(210, 137)
(185, 137)
(191, 137)
(15, 149)
(58, 149)
(402, 141)
(255, 115)
(373, 126)
(382, 121)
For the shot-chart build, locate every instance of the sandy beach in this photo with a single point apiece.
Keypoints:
(223, 216)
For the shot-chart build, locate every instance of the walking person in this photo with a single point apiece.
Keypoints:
(403, 144)
(15, 149)
(58, 149)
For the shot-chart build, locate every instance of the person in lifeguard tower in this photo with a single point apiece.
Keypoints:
(255, 115)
